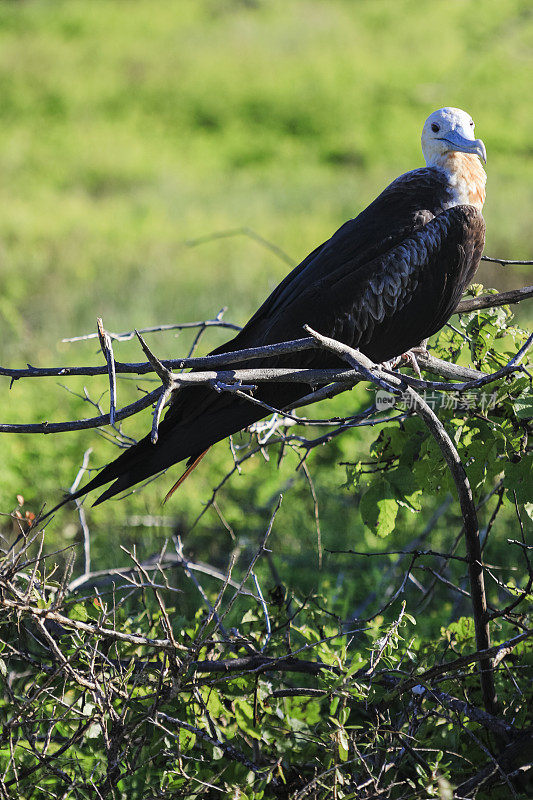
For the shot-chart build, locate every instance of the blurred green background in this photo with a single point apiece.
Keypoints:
(130, 128)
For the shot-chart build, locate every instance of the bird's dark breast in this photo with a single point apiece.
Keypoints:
(384, 281)
(445, 255)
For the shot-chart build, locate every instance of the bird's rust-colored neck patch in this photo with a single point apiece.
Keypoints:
(466, 177)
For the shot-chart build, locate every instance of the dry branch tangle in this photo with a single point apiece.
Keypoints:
(112, 669)
(110, 682)
(231, 380)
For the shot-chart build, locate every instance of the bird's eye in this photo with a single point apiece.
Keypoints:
(472, 123)
(435, 128)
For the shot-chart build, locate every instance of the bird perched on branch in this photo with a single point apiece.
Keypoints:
(384, 282)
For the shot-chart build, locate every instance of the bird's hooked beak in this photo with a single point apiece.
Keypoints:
(462, 144)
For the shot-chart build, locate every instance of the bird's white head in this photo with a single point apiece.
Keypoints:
(449, 143)
(450, 130)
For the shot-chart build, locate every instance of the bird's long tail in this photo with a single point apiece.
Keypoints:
(188, 430)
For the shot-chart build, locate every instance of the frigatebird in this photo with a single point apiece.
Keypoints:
(385, 281)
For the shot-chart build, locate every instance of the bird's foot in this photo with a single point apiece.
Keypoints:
(410, 357)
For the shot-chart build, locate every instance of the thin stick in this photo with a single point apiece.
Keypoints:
(258, 553)
(492, 300)
(107, 350)
(166, 377)
(506, 262)
(180, 326)
(81, 513)
(265, 609)
(274, 248)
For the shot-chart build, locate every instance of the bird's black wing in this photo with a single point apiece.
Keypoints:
(402, 209)
(395, 300)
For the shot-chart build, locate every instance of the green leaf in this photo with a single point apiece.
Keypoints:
(244, 716)
(460, 632)
(343, 744)
(404, 484)
(78, 612)
(187, 739)
(343, 716)
(379, 508)
(519, 478)
(523, 406)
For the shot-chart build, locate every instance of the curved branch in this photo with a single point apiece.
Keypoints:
(466, 501)
(473, 544)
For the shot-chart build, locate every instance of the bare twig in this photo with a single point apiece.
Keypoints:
(265, 609)
(259, 552)
(81, 512)
(107, 350)
(274, 248)
(180, 326)
(84, 424)
(506, 262)
(165, 376)
(167, 561)
(493, 300)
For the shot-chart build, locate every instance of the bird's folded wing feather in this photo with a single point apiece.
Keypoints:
(394, 300)
(350, 248)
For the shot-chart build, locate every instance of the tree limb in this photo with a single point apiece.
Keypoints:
(492, 300)
(468, 510)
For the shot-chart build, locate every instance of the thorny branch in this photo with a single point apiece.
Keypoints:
(331, 380)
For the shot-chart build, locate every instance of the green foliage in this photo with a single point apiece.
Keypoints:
(489, 426)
